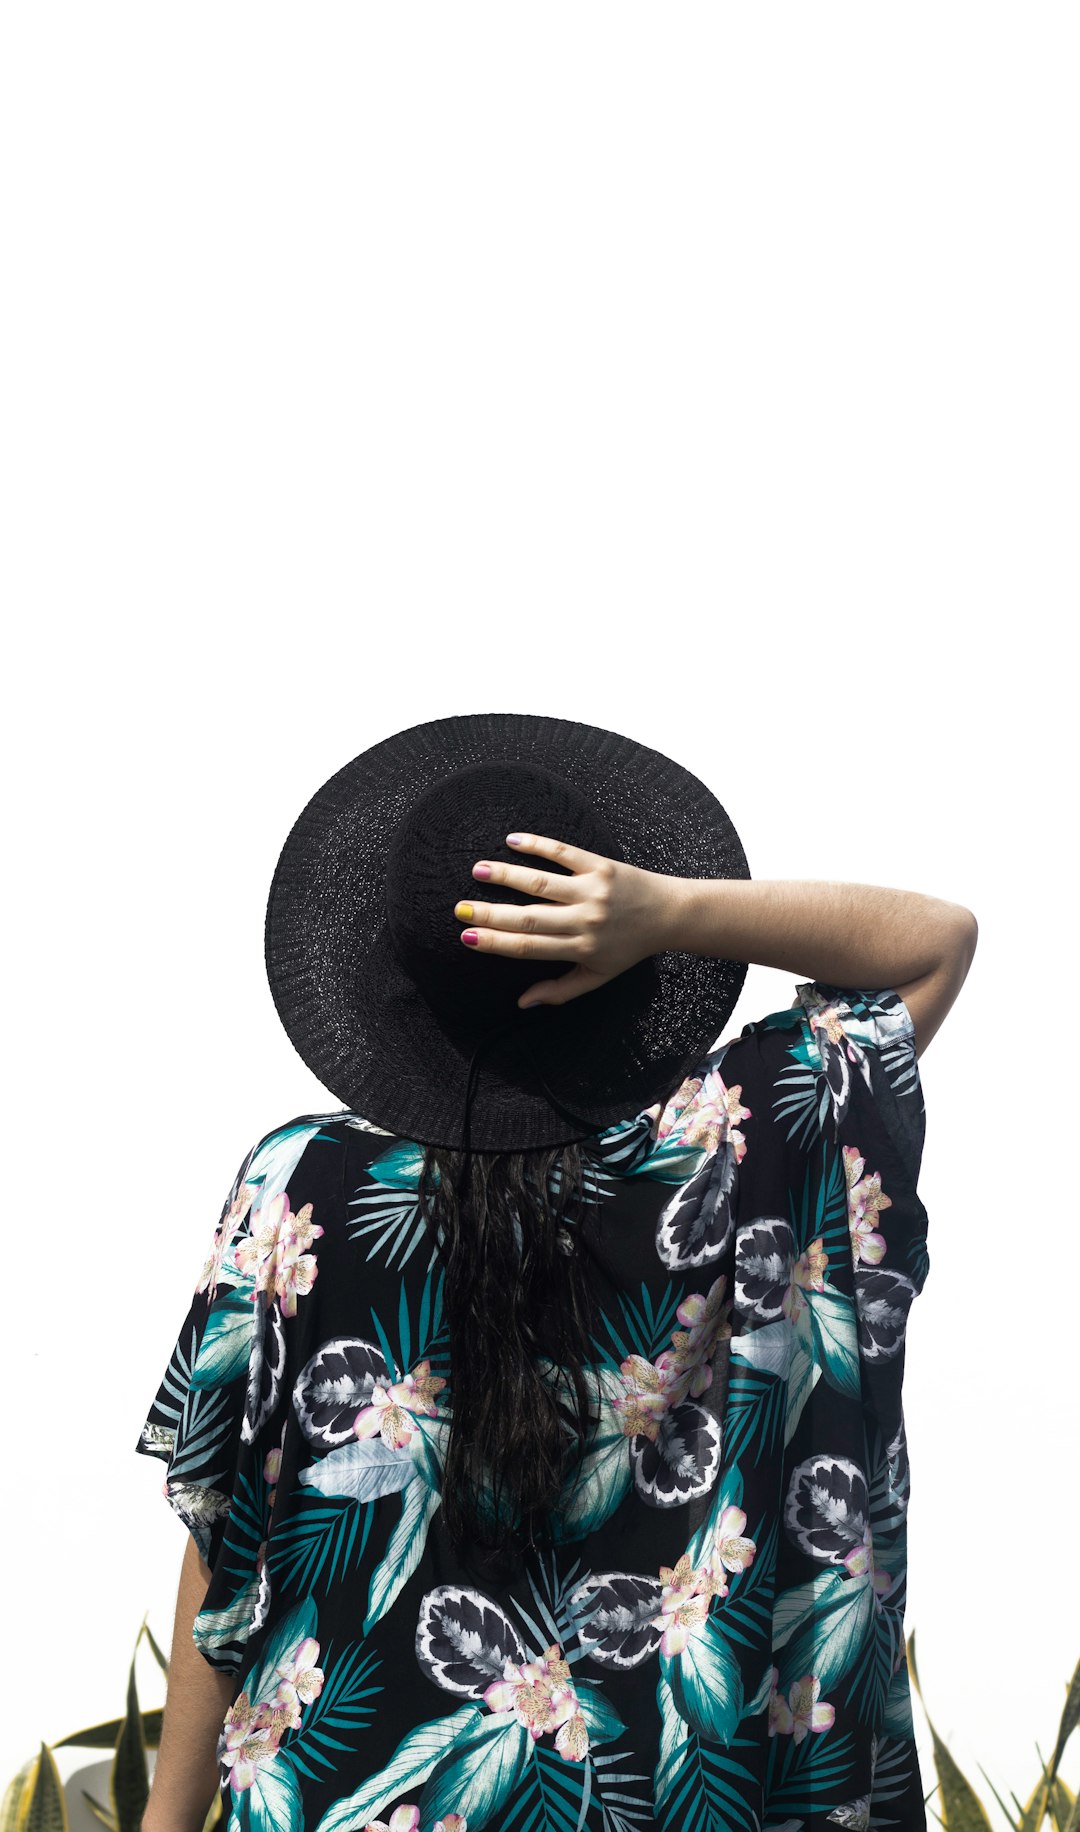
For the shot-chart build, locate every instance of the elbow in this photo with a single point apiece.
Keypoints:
(969, 934)
(962, 943)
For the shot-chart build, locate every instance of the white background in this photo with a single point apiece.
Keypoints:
(706, 374)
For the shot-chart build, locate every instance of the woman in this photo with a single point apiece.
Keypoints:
(537, 1418)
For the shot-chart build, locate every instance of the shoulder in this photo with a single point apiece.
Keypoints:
(821, 1021)
(822, 1017)
(312, 1145)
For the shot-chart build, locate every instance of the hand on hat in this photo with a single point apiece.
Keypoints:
(605, 916)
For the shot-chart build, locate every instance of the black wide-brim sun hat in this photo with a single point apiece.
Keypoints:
(348, 991)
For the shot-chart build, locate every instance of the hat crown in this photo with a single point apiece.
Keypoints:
(463, 817)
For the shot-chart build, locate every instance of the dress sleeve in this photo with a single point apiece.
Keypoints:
(860, 1050)
(218, 1416)
(870, 1031)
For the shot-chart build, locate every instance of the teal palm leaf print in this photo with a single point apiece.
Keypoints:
(341, 1711)
(387, 1206)
(698, 1786)
(319, 1543)
(381, 1435)
(414, 1760)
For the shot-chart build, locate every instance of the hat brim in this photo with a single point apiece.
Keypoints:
(359, 1022)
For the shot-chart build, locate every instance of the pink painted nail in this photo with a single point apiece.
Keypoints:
(470, 937)
(514, 839)
(481, 871)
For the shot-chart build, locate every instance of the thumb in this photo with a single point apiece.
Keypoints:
(559, 992)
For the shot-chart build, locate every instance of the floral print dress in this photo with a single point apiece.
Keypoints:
(714, 1641)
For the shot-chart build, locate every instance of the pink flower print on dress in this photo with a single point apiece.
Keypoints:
(687, 1365)
(402, 1819)
(540, 1695)
(866, 1199)
(704, 1112)
(860, 1561)
(684, 1608)
(407, 1819)
(643, 1406)
(223, 1236)
(299, 1681)
(731, 1551)
(680, 1372)
(391, 1406)
(249, 1739)
(807, 1274)
(800, 1712)
(827, 1018)
(276, 1253)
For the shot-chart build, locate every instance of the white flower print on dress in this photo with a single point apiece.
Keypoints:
(802, 1711)
(226, 1231)
(686, 1597)
(703, 1112)
(407, 1819)
(681, 1372)
(391, 1406)
(542, 1698)
(249, 1739)
(252, 1732)
(276, 1252)
(866, 1199)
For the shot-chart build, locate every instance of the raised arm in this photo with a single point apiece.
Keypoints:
(853, 935)
(606, 915)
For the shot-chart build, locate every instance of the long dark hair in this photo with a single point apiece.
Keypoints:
(520, 1309)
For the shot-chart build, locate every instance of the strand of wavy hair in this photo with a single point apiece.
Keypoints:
(520, 1311)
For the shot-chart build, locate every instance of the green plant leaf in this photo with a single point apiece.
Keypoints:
(1062, 1802)
(962, 1810)
(100, 1813)
(13, 1793)
(46, 1811)
(1051, 1795)
(1070, 1718)
(1011, 1819)
(155, 1650)
(129, 1783)
(104, 1736)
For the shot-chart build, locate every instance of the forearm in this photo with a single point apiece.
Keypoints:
(843, 934)
(186, 1775)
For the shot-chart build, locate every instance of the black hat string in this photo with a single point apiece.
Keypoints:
(520, 1030)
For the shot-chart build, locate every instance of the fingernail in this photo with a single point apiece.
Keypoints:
(527, 1004)
(481, 871)
(514, 839)
(464, 910)
(470, 937)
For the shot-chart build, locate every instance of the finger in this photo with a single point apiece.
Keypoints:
(518, 946)
(520, 918)
(570, 986)
(530, 879)
(575, 858)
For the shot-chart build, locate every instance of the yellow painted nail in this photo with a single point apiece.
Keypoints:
(465, 910)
